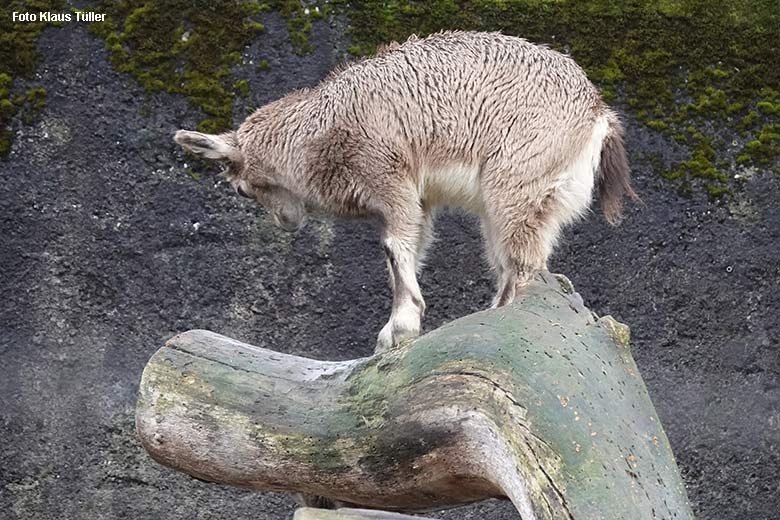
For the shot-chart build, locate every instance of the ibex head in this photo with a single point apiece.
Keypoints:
(252, 178)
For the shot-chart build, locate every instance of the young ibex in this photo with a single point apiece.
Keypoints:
(509, 130)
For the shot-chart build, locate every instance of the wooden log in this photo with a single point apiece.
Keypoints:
(539, 402)
(310, 513)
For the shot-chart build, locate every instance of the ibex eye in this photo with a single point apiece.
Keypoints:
(241, 192)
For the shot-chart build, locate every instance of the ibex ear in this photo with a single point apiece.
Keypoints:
(221, 147)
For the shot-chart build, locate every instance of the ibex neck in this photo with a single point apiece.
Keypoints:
(294, 120)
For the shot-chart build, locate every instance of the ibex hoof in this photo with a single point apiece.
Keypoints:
(385, 339)
(396, 331)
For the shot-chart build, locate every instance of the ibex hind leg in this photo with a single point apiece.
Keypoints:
(493, 254)
(527, 212)
(522, 228)
(524, 248)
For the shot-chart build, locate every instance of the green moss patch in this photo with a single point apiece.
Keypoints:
(187, 47)
(19, 58)
(718, 57)
(299, 16)
(183, 47)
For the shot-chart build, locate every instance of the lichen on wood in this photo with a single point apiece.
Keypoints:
(539, 402)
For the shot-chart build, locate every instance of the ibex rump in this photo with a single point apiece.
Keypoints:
(511, 131)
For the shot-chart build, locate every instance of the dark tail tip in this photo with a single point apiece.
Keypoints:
(615, 174)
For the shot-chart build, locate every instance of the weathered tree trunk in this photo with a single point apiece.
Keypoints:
(539, 402)
(308, 513)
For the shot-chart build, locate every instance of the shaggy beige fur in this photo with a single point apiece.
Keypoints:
(509, 130)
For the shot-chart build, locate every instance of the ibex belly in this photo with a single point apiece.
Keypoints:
(454, 185)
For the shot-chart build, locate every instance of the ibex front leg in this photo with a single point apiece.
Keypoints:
(400, 241)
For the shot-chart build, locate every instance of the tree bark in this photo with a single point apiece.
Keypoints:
(539, 402)
(308, 513)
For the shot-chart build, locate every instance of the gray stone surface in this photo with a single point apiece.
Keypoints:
(108, 248)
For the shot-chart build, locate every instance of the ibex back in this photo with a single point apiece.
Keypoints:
(509, 130)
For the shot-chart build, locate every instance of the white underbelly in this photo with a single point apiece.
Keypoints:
(455, 185)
